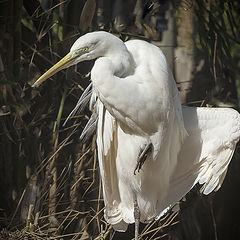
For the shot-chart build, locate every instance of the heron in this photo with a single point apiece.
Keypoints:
(151, 150)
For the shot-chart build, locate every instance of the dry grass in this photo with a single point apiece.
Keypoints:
(52, 188)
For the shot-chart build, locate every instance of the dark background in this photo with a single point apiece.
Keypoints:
(49, 179)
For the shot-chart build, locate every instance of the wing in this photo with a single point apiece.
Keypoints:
(206, 152)
(204, 158)
(219, 131)
(107, 150)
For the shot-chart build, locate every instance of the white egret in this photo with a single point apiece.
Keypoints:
(151, 150)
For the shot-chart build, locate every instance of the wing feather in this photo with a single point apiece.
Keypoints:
(82, 102)
(106, 142)
(90, 128)
(205, 154)
(208, 150)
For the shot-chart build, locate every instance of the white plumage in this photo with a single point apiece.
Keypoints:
(137, 105)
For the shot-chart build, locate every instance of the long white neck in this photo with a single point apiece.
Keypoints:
(108, 72)
(116, 62)
(122, 61)
(107, 69)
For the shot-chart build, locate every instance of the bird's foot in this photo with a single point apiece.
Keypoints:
(142, 157)
(136, 217)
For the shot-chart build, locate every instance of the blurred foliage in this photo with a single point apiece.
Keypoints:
(49, 179)
(218, 36)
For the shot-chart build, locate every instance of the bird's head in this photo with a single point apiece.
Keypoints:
(89, 46)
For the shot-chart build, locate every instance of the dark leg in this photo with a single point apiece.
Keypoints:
(136, 217)
(142, 157)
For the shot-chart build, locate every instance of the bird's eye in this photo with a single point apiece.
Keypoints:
(85, 49)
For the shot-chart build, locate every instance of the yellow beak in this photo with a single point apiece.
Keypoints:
(63, 63)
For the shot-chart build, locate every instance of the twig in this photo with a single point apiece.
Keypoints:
(19, 203)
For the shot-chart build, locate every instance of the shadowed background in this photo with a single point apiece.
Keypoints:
(49, 179)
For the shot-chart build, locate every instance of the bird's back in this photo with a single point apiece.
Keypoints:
(152, 69)
(151, 64)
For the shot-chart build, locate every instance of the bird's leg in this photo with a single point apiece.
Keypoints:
(142, 157)
(136, 213)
